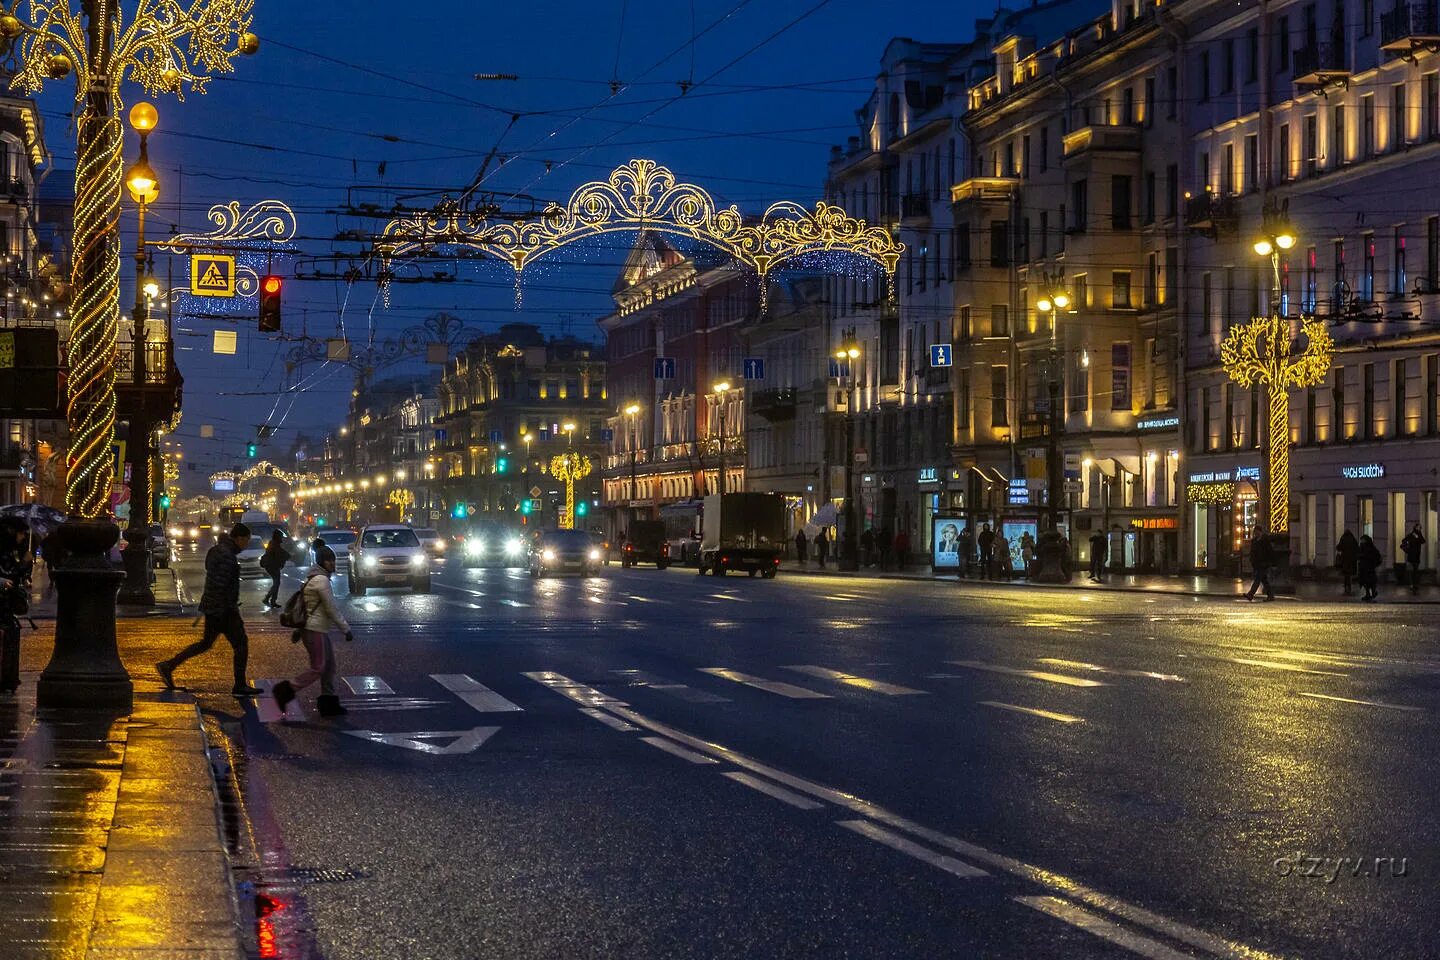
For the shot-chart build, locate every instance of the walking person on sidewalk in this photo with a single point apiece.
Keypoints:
(1347, 555)
(1261, 557)
(883, 543)
(967, 550)
(867, 547)
(323, 621)
(822, 548)
(902, 549)
(1099, 554)
(1411, 545)
(1368, 562)
(220, 603)
(801, 546)
(987, 552)
(272, 561)
(15, 569)
(1027, 553)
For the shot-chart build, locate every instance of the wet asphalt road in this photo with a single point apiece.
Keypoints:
(653, 765)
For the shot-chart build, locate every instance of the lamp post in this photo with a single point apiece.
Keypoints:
(1261, 352)
(631, 411)
(721, 390)
(848, 355)
(1052, 558)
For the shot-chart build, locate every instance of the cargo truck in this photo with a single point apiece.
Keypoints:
(742, 531)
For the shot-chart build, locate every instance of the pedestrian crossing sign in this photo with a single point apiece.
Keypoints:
(212, 275)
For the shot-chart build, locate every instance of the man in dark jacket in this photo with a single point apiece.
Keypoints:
(1260, 558)
(1413, 544)
(1099, 555)
(15, 564)
(220, 603)
(987, 551)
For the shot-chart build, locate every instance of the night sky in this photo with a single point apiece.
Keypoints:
(366, 102)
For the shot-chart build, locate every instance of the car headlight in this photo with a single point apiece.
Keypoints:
(439, 546)
(594, 554)
(367, 561)
(176, 532)
(194, 531)
(474, 547)
(418, 560)
(513, 547)
(547, 554)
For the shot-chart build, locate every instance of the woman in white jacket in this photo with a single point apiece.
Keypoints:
(322, 621)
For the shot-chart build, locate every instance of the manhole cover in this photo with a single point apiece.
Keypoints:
(324, 874)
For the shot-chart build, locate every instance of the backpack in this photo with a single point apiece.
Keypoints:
(295, 614)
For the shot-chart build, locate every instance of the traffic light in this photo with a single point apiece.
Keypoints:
(164, 501)
(251, 449)
(581, 508)
(270, 289)
(525, 506)
(502, 464)
(319, 521)
(459, 511)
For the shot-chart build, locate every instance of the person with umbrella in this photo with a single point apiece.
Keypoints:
(15, 564)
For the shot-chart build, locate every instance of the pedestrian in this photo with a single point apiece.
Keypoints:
(1261, 556)
(1004, 561)
(322, 621)
(1368, 562)
(1027, 553)
(220, 603)
(902, 549)
(987, 551)
(867, 547)
(272, 561)
(52, 552)
(883, 542)
(1347, 554)
(802, 546)
(15, 569)
(1099, 553)
(1411, 545)
(967, 550)
(822, 548)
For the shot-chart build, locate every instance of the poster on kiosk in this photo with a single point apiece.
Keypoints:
(945, 554)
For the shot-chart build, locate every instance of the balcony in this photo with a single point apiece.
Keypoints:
(155, 392)
(1104, 139)
(1409, 28)
(1320, 65)
(1209, 214)
(984, 189)
(776, 405)
(914, 206)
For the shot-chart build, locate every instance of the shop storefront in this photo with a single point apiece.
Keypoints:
(1334, 490)
(1224, 508)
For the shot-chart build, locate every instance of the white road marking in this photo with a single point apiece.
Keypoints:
(1218, 946)
(449, 586)
(463, 741)
(645, 599)
(615, 723)
(1096, 668)
(726, 596)
(836, 596)
(1287, 667)
(849, 679)
(513, 603)
(680, 690)
(660, 743)
(1075, 915)
(367, 685)
(1032, 674)
(475, 693)
(388, 704)
(1032, 711)
(1364, 703)
(267, 711)
(771, 790)
(879, 834)
(769, 686)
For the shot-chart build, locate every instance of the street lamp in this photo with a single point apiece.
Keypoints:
(569, 429)
(721, 390)
(1052, 559)
(631, 411)
(848, 355)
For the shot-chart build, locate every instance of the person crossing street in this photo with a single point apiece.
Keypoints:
(1261, 557)
(323, 620)
(220, 604)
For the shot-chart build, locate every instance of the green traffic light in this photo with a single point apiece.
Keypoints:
(502, 465)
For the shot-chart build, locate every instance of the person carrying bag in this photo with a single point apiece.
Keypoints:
(320, 619)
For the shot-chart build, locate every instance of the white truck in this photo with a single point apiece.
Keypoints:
(742, 531)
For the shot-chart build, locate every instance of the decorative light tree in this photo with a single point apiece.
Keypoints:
(569, 467)
(165, 47)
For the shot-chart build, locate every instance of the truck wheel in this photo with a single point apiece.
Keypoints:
(768, 574)
(661, 564)
(700, 568)
(719, 570)
(752, 573)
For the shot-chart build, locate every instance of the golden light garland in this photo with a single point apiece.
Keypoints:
(569, 467)
(1259, 353)
(643, 195)
(165, 47)
(270, 221)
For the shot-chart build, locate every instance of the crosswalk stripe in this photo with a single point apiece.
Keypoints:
(1033, 711)
(1032, 674)
(849, 679)
(771, 790)
(615, 723)
(368, 685)
(1364, 703)
(1075, 915)
(1096, 668)
(680, 691)
(879, 834)
(769, 686)
(474, 693)
(1287, 667)
(267, 711)
(660, 743)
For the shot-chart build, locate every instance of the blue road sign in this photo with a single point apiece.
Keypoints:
(496, 436)
(940, 355)
(754, 368)
(607, 435)
(664, 368)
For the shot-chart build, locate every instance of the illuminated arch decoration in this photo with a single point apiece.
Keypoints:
(269, 221)
(263, 469)
(643, 195)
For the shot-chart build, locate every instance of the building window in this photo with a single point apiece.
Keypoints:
(1120, 289)
(1367, 401)
(1367, 126)
(1044, 149)
(1367, 268)
(1432, 105)
(1398, 398)
(1397, 265)
(1227, 172)
(999, 320)
(1148, 208)
(1025, 156)
(1152, 278)
(1127, 107)
(1078, 205)
(1207, 305)
(1147, 109)
(1230, 438)
(1120, 202)
(960, 247)
(1367, 17)
(1204, 76)
(962, 400)
(1252, 162)
(1312, 145)
(1081, 289)
(1252, 55)
(1339, 273)
(1207, 420)
(1432, 254)
(1337, 404)
(999, 243)
(999, 396)
(1338, 153)
(1172, 190)
(1398, 134)
(1172, 90)
(1172, 275)
(1432, 394)
(1202, 170)
(1079, 383)
(965, 331)
(1282, 161)
(1044, 235)
(1311, 269)
(1227, 77)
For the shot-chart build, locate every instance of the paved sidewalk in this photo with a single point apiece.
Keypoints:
(171, 596)
(1228, 588)
(111, 838)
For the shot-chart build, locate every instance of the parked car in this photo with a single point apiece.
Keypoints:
(159, 546)
(388, 555)
(565, 551)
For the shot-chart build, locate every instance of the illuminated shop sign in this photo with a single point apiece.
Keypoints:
(1225, 476)
(1157, 423)
(1363, 471)
(929, 475)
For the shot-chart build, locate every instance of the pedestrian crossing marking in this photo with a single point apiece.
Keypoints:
(676, 750)
(850, 679)
(1092, 923)
(368, 685)
(474, 693)
(1096, 668)
(905, 845)
(1366, 703)
(212, 275)
(462, 741)
(1287, 667)
(1016, 672)
(769, 686)
(614, 723)
(771, 790)
(681, 691)
(1034, 712)
(268, 711)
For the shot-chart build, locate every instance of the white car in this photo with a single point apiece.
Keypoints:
(338, 540)
(249, 558)
(388, 555)
(433, 543)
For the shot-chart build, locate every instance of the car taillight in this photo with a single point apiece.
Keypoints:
(629, 548)
(665, 550)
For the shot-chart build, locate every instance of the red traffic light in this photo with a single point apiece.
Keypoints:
(272, 284)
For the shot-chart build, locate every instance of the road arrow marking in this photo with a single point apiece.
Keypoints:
(465, 741)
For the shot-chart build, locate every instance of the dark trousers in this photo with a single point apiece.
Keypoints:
(232, 628)
(987, 561)
(10, 657)
(1097, 566)
(1412, 570)
(273, 594)
(1262, 579)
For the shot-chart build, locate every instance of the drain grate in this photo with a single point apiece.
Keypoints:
(308, 875)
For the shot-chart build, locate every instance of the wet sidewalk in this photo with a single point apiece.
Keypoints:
(1227, 588)
(111, 840)
(171, 596)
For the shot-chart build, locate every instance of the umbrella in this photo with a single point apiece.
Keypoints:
(42, 519)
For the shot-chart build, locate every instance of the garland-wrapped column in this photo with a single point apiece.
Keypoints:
(95, 323)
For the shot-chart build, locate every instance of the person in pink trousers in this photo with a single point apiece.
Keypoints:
(323, 620)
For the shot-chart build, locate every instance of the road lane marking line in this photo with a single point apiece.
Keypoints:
(1032, 674)
(367, 685)
(474, 693)
(513, 603)
(836, 596)
(640, 678)
(905, 845)
(675, 750)
(390, 705)
(771, 790)
(1034, 712)
(726, 596)
(1092, 923)
(779, 687)
(1287, 667)
(614, 723)
(1215, 945)
(1096, 668)
(461, 741)
(1365, 703)
(267, 711)
(850, 679)
(450, 586)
